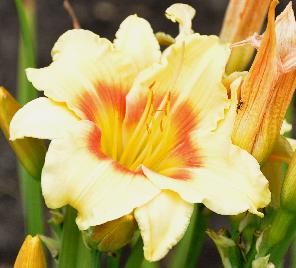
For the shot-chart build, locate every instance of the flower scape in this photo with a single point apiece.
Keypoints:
(141, 133)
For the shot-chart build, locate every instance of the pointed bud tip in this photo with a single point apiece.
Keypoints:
(31, 254)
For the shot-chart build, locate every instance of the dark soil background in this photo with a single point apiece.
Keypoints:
(102, 17)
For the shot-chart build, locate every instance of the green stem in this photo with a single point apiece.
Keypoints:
(280, 248)
(293, 254)
(251, 255)
(26, 15)
(279, 251)
(198, 237)
(31, 200)
(136, 257)
(147, 264)
(70, 240)
(182, 249)
(30, 189)
(279, 229)
(190, 246)
(278, 237)
(87, 257)
(114, 261)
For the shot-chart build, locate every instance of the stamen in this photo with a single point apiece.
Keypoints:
(161, 125)
(254, 40)
(133, 145)
(168, 104)
(152, 85)
(148, 129)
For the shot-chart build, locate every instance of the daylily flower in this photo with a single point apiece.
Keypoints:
(31, 254)
(134, 131)
(269, 86)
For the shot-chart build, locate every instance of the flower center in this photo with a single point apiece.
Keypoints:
(156, 133)
(149, 140)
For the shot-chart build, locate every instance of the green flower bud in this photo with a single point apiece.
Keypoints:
(288, 194)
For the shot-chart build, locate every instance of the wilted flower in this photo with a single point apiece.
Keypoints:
(134, 131)
(31, 254)
(268, 88)
(242, 19)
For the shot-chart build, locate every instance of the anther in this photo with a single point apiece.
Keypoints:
(148, 129)
(152, 85)
(161, 125)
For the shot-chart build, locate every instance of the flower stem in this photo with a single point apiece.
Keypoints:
(147, 264)
(70, 240)
(87, 257)
(30, 189)
(190, 246)
(280, 228)
(198, 237)
(293, 254)
(114, 261)
(32, 204)
(136, 257)
(278, 237)
(288, 231)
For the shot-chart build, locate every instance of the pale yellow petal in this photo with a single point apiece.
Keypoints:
(162, 222)
(77, 173)
(183, 14)
(83, 63)
(41, 118)
(73, 43)
(228, 185)
(292, 143)
(286, 127)
(93, 77)
(229, 180)
(191, 72)
(136, 39)
(72, 70)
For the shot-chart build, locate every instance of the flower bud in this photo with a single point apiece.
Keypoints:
(288, 194)
(267, 90)
(242, 19)
(111, 235)
(31, 254)
(30, 152)
(273, 167)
